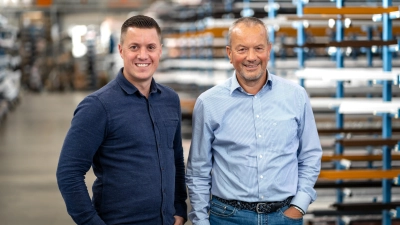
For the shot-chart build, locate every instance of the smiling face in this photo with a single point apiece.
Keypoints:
(141, 51)
(249, 52)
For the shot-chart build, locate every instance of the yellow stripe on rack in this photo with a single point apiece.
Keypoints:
(349, 10)
(358, 174)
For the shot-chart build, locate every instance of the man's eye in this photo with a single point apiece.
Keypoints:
(241, 50)
(133, 47)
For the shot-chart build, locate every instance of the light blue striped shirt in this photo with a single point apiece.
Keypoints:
(254, 148)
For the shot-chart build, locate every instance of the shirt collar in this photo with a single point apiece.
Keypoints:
(130, 88)
(235, 83)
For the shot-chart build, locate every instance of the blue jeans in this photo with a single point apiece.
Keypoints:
(223, 214)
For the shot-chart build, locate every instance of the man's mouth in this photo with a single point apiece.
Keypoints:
(250, 66)
(142, 64)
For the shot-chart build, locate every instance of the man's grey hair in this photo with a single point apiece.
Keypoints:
(249, 21)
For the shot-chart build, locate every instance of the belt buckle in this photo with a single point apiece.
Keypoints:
(257, 207)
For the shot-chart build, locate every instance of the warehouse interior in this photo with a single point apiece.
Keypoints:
(345, 54)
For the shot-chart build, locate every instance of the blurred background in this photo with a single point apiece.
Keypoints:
(55, 52)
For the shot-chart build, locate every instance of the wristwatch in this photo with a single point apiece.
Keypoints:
(299, 209)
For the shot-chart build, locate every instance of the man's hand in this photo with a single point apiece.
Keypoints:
(293, 213)
(179, 220)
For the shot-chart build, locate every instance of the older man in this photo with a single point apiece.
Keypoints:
(255, 146)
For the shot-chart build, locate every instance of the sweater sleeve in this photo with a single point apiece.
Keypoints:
(180, 184)
(87, 131)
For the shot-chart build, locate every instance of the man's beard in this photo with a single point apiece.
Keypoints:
(247, 77)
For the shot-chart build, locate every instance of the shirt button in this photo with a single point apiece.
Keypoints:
(259, 135)
(260, 156)
(261, 176)
(261, 197)
(257, 116)
(255, 96)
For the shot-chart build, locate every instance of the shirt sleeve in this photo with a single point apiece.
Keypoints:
(309, 157)
(180, 186)
(85, 135)
(198, 173)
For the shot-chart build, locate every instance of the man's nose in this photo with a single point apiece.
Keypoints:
(143, 54)
(251, 55)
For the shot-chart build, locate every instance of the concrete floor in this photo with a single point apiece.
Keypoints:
(30, 141)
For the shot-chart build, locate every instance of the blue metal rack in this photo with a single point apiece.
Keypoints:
(386, 117)
(386, 93)
(301, 37)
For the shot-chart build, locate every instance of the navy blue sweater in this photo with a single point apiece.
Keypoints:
(135, 148)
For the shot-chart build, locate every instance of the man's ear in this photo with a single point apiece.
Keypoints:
(120, 50)
(269, 49)
(161, 50)
(229, 53)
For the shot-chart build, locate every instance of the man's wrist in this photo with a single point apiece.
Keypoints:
(299, 209)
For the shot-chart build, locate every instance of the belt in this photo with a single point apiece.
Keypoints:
(259, 207)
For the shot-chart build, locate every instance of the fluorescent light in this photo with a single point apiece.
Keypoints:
(392, 15)
(331, 23)
(274, 6)
(347, 22)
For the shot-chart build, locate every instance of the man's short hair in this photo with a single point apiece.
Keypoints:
(139, 21)
(249, 21)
